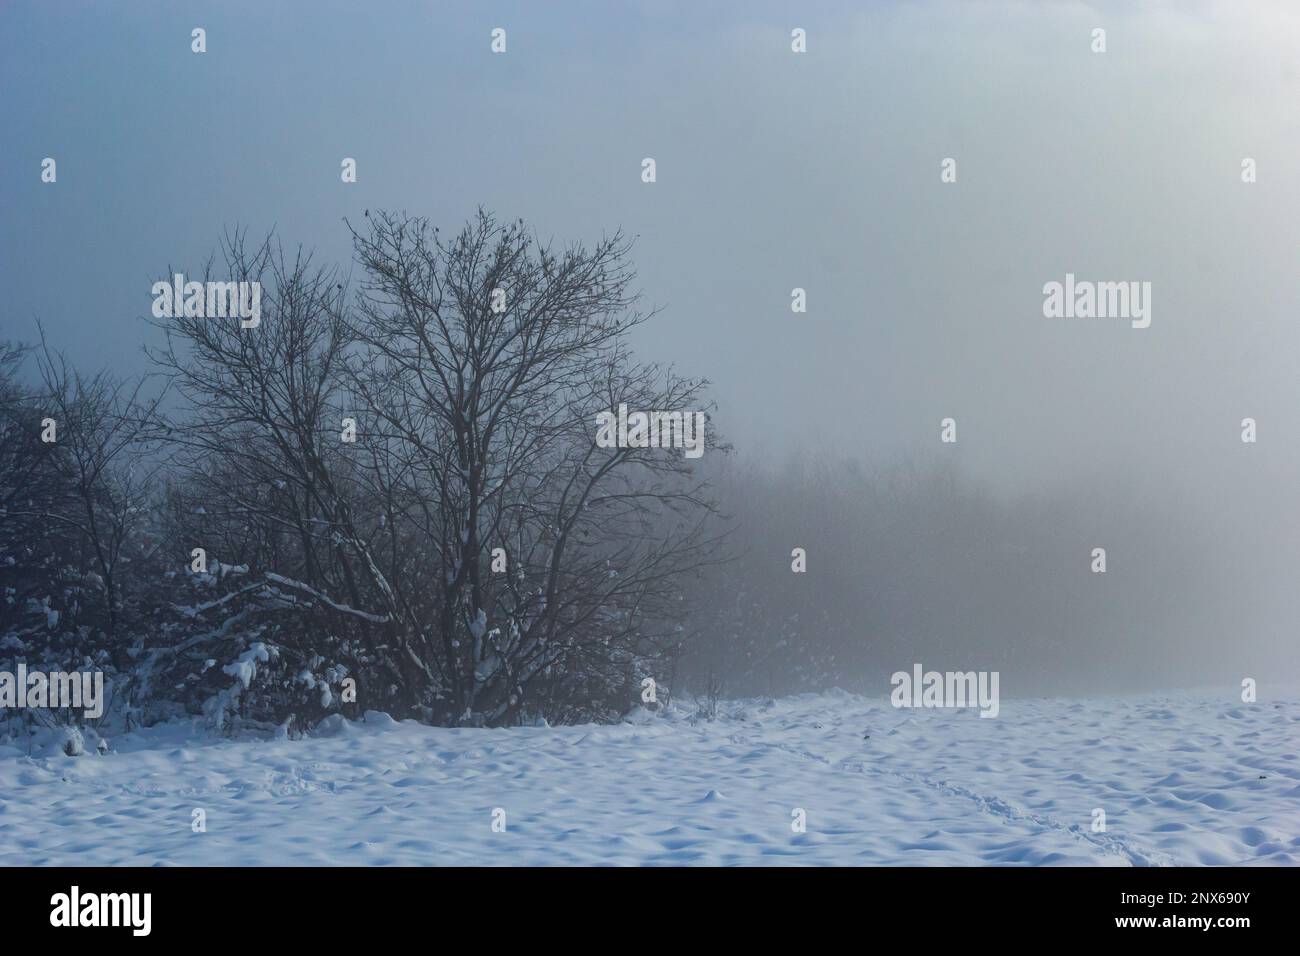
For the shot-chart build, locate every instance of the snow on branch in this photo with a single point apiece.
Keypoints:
(341, 608)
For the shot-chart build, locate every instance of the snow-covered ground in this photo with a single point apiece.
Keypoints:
(1183, 779)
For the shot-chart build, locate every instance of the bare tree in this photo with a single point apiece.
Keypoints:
(488, 558)
(266, 476)
(486, 359)
(109, 434)
(34, 484)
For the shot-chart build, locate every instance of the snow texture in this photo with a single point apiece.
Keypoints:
(1189, 778)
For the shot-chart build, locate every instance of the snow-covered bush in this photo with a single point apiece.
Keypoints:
(326, 503)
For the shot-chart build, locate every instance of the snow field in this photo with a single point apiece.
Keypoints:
(1188, 778)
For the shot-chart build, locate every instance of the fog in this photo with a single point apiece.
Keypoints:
(778, 171)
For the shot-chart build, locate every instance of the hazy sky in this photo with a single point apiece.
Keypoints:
(775, 170)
